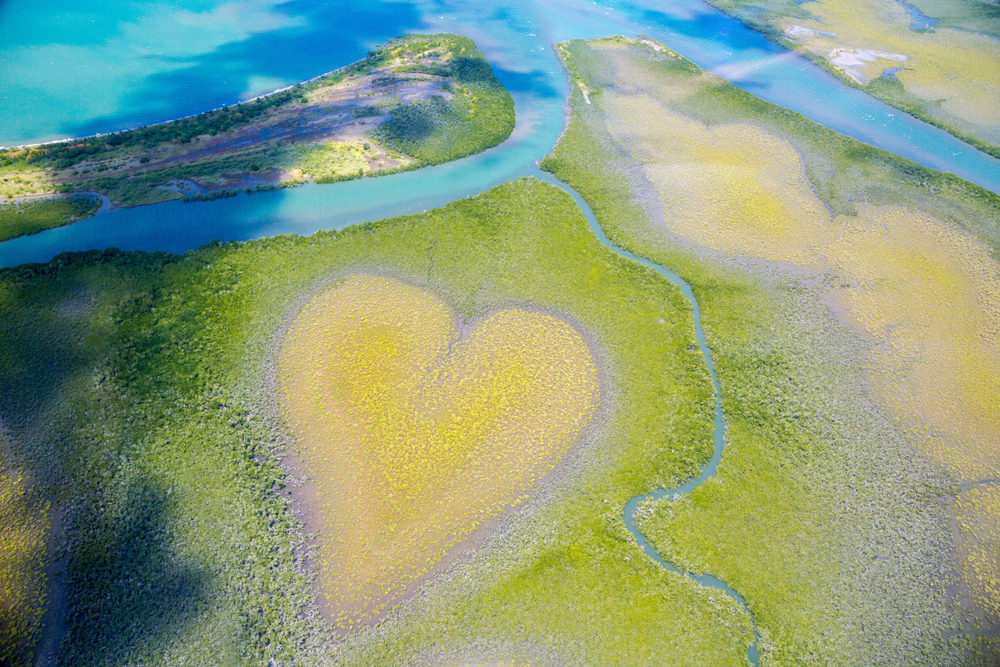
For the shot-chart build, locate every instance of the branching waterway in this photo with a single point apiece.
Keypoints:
(718, 433)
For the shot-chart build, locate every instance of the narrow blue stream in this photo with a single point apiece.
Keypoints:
(708, 470)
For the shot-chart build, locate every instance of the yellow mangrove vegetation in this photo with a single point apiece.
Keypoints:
(928, 295)
(734, 188)
(417, 435)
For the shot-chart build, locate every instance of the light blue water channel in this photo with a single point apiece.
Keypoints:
(145, 62)
(718, 434)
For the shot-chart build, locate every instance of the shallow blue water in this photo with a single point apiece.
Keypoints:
(144, 62)
(920, 20)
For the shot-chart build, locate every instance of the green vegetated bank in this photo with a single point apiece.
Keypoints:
(31, 216)
(136, 388)
(821, 514)
(480, 114)
(23, 523)
(415, 101)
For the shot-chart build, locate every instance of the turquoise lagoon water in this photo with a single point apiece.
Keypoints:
(72, 69)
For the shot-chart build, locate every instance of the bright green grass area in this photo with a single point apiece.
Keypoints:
(31, 217)
(140, 384)
(820, 515)
(329, 163)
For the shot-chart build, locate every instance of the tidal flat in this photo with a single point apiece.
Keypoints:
(414, 101)
(830, 424)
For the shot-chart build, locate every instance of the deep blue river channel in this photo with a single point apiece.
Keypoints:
(71, 69)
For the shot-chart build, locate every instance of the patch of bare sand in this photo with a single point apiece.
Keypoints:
(851, 61)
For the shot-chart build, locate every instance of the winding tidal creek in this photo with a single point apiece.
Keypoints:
(718, 434)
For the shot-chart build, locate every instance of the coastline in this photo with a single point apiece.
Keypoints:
(415, 101)
(98, 135)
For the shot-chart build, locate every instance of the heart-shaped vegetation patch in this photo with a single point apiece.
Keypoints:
(414, 434)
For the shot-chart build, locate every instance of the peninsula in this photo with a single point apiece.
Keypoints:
(417, 100)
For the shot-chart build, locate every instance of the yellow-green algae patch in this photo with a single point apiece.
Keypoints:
(416, 438)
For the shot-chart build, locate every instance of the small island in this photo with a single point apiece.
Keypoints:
(418, 100)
